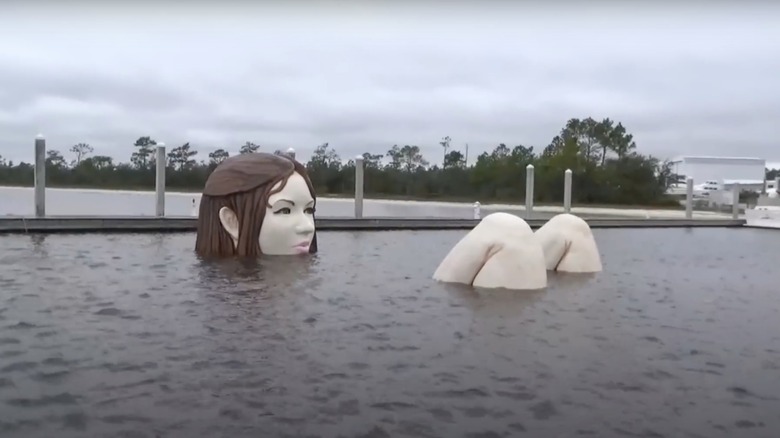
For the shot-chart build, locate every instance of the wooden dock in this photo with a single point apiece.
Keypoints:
(151, 224)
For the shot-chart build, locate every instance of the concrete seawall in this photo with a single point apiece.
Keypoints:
(130, 224)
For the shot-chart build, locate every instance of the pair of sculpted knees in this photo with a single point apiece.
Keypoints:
(503, 252)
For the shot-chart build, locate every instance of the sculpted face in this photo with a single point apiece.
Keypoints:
(288, 225)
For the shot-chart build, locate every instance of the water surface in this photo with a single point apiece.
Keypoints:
(131, 335)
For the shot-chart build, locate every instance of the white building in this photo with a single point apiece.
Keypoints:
(746, 171)
(714, 178)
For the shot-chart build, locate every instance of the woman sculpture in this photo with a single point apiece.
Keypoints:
(500, 252)
(254, 204)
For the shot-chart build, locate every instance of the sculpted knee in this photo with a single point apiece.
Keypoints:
(500, 252)
(569, 245)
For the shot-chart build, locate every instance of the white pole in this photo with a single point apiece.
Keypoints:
(359, 186)
(763, 188)
(477, 214)
(567, 191)
(160, 181)
(689, 198)
(40, 176)
(735, 201)
(529, 190)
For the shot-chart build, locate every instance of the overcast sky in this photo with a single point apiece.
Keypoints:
(699, 80)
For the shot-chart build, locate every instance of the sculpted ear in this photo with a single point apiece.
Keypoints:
(229, 222)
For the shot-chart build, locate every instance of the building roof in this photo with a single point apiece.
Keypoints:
(711, 159)
(744, 181)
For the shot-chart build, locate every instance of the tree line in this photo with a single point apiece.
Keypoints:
(603, 156)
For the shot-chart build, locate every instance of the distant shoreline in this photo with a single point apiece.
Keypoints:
(499, 203)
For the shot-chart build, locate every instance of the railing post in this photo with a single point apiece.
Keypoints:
(567, 191)
(529, 190)
(40, 176)
(477, 212)
(735, 202)
(291, 153)
(359, 186)
(160, 181)
(689, 198)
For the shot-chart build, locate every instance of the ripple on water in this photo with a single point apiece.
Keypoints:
(130, 335)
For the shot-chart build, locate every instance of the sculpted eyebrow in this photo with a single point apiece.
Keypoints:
(287, 200)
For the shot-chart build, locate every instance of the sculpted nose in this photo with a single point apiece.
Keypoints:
(305, 226)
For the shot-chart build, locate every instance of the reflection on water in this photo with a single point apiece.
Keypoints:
(133, 335)
(38, 242)
(266, 273)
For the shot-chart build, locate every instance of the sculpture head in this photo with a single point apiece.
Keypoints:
(256, 204)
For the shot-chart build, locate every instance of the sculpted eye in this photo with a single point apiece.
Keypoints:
(309, 210)
(284, 210)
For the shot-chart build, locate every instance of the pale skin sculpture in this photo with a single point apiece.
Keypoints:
(500, 252)
(569, 245)
(255, 204)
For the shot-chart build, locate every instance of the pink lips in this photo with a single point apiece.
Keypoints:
(302, 248)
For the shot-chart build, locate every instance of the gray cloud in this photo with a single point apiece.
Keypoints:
(682, 80)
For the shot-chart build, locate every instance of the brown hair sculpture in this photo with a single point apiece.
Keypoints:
(249, 192)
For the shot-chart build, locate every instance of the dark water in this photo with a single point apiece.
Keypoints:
(131, 336)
